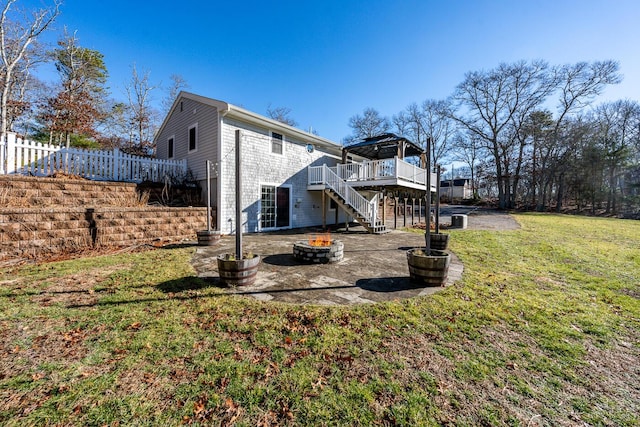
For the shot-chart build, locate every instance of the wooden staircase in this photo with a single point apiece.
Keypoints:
(377, 227)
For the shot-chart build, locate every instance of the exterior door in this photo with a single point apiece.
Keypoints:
(282, 207)
(275, 207)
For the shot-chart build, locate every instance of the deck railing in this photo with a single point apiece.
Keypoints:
(374, 170)
(19, 156)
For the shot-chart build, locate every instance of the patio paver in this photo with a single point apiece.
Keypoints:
(374, 268)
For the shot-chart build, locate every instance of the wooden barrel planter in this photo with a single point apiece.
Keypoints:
(428, 270)
(208, 237)
(439, 241)
(238, 272)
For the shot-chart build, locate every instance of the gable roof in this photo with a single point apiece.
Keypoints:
(229, 110)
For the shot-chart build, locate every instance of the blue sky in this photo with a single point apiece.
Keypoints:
(329, 60)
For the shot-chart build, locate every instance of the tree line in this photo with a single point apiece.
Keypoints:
(530, 133)
(77, 109)
(531, 136)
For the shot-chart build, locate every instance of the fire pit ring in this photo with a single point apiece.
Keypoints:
(306, 252)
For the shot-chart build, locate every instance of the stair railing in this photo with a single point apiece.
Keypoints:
(365, 208)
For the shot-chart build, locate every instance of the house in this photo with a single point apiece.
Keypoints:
(456, 189)
(290, 178)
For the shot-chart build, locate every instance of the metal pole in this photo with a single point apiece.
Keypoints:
(208, 163)
(427, 232)
(238, 198)
(438, 202)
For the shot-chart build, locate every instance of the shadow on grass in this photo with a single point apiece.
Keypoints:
(180, 289)
(188, 284)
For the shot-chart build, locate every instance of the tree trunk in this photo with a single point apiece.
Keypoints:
(560, 194)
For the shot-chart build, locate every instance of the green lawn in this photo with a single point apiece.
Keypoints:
(543, 329)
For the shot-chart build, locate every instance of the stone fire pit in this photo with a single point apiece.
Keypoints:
(311, 253)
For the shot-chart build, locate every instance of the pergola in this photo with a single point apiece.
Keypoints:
(384, 146)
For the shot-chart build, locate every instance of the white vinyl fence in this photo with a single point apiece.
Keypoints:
(18, 156)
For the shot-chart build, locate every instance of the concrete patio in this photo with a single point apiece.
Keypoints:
(374, 268)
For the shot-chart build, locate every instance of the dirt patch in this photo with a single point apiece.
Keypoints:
(77, 289)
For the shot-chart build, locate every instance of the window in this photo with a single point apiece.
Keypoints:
(276, 143)
(193, 137)
(170, 148)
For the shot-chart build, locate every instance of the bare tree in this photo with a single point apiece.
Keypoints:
(19, 101)
(369, 124)
(437, 123)
(16, 38)
(468, 150)
(143, 117)
(617, 127)
(178, 83)
(540, 128)
(494, 106)
(281, 114)
(116, 130)
(402, 124)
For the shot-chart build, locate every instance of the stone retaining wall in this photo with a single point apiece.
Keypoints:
(45, 216)
(36, 232)
(28, 192)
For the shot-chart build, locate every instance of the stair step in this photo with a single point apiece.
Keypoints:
(377, 228)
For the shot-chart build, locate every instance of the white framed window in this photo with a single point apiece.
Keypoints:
(170, 147)
(277, 141)
(193, 137)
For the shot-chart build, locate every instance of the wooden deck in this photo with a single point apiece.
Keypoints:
(374, 173)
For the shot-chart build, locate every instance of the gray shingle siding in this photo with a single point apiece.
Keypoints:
(261, 167)
(178, 124)
(216, 142)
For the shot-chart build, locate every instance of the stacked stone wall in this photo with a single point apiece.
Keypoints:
(118, 227)
(40, 217)
(30, 192)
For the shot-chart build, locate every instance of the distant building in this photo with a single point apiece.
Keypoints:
(460, 190)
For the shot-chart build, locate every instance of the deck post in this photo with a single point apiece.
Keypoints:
(324, 209)
(384, 208)
(413, 209)
(404, 212)
(395, 212)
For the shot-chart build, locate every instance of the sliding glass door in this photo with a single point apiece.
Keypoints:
(275, 207)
